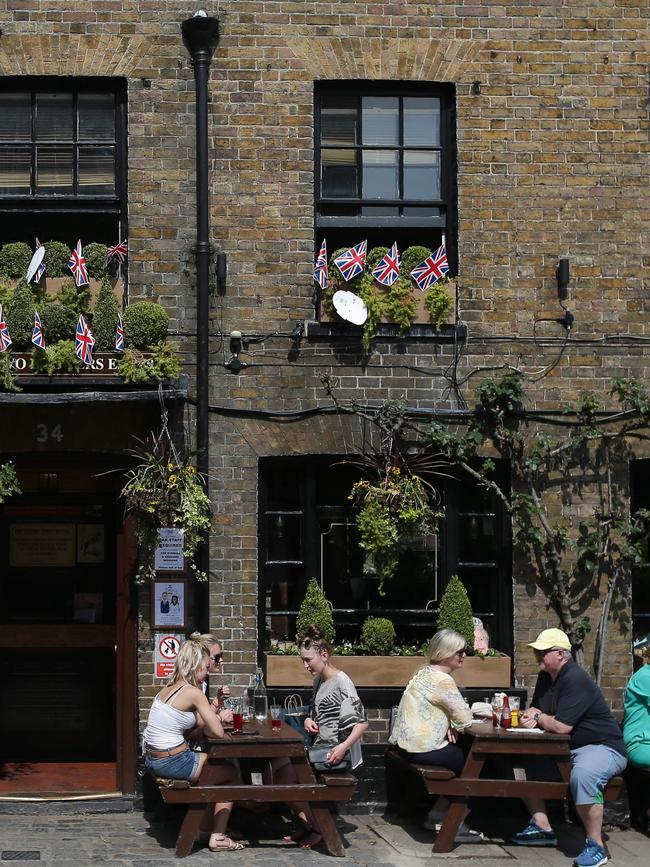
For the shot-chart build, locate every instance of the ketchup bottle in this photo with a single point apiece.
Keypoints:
(506, 714)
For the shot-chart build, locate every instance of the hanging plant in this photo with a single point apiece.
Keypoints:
(8, 481)
(165, 490)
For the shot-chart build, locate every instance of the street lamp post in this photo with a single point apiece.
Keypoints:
(200, 37)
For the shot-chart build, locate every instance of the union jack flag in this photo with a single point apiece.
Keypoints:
(83, 342)
(432, 269)
(38, 338)
(5, 339)
(119, 252)
(320, 269)
(387, 271)
(353, 261)
(41, 267)
(119, 334)
(77, 264)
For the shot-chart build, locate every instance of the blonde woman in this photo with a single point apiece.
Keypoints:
(430, 715)
(177, 709)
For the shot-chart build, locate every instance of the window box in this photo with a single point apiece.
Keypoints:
(422, 316)
(389, 671)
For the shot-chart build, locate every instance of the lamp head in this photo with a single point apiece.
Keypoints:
(200, 35)
(562, 276)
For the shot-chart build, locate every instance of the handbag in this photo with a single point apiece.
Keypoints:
(294, 713)
(318, 757)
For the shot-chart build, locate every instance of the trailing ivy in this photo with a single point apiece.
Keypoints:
(138, 368)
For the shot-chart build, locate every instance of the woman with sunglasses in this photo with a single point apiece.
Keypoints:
(212, 647)
(177, 709)
(430, 715)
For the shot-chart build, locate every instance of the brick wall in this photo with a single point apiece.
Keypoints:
(550, 164)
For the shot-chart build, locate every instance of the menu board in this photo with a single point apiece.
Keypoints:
(42, 545)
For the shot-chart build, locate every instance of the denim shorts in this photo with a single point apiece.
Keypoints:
(182, 766)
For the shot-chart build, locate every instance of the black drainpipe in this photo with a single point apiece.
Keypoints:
(200, 37)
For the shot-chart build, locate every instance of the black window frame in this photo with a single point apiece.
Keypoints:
(113, 204)
(426, 230)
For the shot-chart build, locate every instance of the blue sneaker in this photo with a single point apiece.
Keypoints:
(533, 835)
(592, 855)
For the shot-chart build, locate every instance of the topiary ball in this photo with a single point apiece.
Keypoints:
(411, 257)
(145, 325)
(95, 256)
(15, 259)
(378, 636)
(57, 256)
(59, 322)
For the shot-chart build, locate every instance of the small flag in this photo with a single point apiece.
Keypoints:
(387, 271)
(5, 339)
(119, 252)
(41, 268)
(38, 338)
(77, 264)
(353, 261)
(320, 269)
(432, 269)
(119, 334)
(83, 342)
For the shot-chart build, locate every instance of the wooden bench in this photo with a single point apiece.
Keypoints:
(329, 787)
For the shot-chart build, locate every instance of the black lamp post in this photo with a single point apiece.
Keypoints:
(200, 37)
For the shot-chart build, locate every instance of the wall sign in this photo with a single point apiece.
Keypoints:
(169, 603)
(170, 550)
(166, 647)
(43, 545)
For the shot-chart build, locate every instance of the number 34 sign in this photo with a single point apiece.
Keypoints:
(46, 433)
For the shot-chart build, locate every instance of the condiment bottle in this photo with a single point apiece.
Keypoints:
(506, 714)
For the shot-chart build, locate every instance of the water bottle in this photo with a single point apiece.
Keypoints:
(260, 698)
(249, 706)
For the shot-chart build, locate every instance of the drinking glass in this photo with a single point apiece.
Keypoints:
(276, 717)
(237, 716)
(497, 707)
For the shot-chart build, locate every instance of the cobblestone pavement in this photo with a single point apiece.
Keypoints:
(132, 838)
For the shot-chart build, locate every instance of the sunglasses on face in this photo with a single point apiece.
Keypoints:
(216, 658)
(540, 654)
(462, 652)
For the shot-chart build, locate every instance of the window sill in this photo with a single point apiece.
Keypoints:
(385, 331)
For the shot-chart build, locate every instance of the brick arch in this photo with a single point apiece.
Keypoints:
(74, 55)
(386, 59)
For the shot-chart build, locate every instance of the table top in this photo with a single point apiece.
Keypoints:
(258, 734)
(485, 730)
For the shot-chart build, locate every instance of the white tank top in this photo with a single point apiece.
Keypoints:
(167, 725)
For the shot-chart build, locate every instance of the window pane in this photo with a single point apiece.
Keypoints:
(54, 116)
(421, 174)
(338, 121)
(96, 117)
(380, 120)
(54, 170)
(96, 171)
(339, 173)
(15, 116)
(15, 165)
(380, 176)
(380, 211)
(421, 121)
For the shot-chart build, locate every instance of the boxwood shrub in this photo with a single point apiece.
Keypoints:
(145, 325)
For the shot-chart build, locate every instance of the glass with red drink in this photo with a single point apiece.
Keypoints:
(276, 717)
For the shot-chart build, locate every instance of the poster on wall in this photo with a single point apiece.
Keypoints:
(169, 603)
(170, 550)
(42, 545)
(165, 650)
(90, 543)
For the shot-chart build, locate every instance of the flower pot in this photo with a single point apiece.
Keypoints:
(422, 316)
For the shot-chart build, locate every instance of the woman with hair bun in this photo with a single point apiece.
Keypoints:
(176, 710)
(337, 719)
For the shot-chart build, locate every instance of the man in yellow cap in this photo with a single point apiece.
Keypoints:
(568, 702)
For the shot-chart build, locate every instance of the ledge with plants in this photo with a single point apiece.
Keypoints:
(148, 357)
(402, 305)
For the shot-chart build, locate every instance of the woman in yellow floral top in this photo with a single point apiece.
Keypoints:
(431, 713)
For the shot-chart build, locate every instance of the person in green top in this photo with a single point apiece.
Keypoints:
(636, 725)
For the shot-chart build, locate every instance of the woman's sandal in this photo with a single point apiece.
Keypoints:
(297, 835)
(223, 843)
(311, 840)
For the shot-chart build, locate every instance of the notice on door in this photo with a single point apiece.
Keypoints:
(170, 550)
(166, 647)
(42, 545)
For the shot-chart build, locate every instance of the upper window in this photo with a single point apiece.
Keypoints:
(61, 149)
(385, 164)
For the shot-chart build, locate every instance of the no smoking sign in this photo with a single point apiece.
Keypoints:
(166, 650)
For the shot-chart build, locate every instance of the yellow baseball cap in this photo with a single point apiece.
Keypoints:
(548, 638)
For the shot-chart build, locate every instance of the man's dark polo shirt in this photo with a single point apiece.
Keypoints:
(575, 700)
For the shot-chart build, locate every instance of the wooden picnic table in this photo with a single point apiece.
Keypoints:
(259, 742)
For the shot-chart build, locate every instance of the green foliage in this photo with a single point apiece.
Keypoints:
(455, 611)
(6, 291)
(58, 358)
(105, 318)
(165, 490)
(57, 256)
(378, 636)
(20, 316)
(374, 298)
(7, 378)
(315, 609)
(439, 302)
(401, 306)
(145, 325)
(15, 259)
(411, 257)
(59, 323)
(95, 255)
(9, 484)
(137, 368)
(73, 296)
